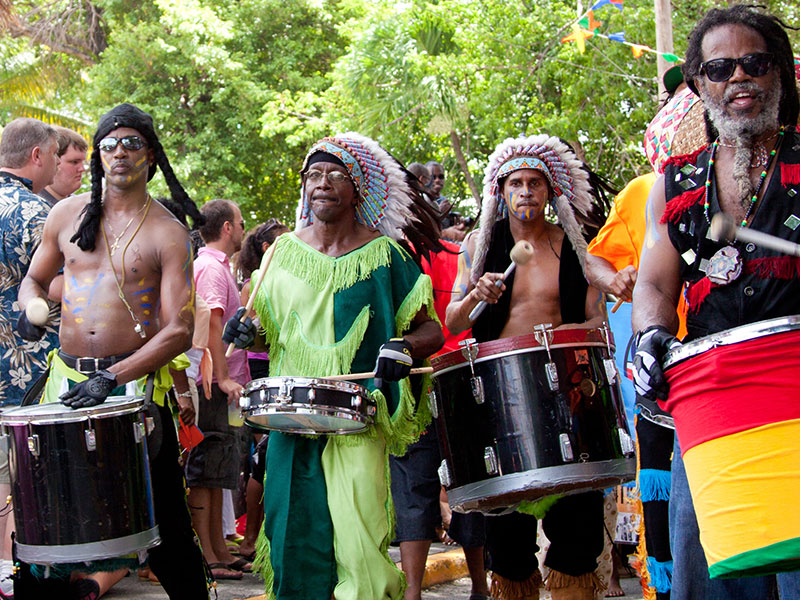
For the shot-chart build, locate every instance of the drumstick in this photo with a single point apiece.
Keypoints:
(724, 228)
(521, 253)
(347, 377)
(253, 292)
(617, 304)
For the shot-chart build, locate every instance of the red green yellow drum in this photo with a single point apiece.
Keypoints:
(734, 398)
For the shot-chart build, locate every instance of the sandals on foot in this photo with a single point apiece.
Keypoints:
(241, 564)
(223, 571)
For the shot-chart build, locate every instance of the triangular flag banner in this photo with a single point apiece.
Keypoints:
(591, 24)
(638, 50)
(579, 36)
(617, 37)
(669, 57)
(615, 3)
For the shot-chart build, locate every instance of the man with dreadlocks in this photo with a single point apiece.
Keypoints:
(523, 176)
(740, 63)
(128, 303)
(339, 294)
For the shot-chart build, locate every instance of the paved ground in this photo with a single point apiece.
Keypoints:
(251, 586)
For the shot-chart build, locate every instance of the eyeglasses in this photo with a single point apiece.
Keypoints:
(129, 142)
(334, 177)
(721, 69)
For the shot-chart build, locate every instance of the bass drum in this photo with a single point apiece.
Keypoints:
(80, 481)
(530, 416)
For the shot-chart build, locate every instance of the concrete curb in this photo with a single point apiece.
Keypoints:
(443, 567)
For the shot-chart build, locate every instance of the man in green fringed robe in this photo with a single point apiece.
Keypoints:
(335, 294)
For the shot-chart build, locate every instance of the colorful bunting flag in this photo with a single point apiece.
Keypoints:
(579, 36)
(638, 50)
(588, 21)
(617, 37)
(615, 3)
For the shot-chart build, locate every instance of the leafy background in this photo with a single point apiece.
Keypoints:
(239, 89)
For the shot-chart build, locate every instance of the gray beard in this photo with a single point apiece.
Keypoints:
(744, 132)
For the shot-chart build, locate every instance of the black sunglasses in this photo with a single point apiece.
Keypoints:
(721, 69)
(129, 142)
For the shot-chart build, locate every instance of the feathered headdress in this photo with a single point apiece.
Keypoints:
(391, 199)
(567, 178)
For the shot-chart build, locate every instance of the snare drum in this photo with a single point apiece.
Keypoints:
(734, 398)
(307, 405)
(80, 481)
(530, 416)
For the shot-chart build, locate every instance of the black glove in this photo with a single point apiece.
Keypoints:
(394, 361)
(241, 333)
(91, 392)
(652, 344)
(27, 330)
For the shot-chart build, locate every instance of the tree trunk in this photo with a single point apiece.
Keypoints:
(462, 162)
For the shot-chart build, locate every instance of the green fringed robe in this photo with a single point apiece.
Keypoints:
(328, 509)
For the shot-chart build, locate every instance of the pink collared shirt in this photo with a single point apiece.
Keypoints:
(215, 283)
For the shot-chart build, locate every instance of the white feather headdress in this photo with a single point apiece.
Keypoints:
(568, 179)
(380, 180)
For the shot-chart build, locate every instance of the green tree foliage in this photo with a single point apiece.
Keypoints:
(240, 89)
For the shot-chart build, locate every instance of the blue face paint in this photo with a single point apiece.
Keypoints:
(523, 214)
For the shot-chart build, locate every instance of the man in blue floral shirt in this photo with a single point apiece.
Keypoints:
(28, 162)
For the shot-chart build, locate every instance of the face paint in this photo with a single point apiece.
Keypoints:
(525, 213)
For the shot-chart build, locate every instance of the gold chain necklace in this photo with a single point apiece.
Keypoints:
(137, 327)
(117, 238)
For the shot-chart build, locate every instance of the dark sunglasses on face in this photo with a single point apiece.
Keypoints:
(129, 142)
(721, 69)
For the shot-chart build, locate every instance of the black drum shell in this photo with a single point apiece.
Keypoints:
(70, 495)
(521, 420)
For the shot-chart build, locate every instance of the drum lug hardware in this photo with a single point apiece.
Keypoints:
(433, 403)
(371, 409)
(566, 447)
(138, 431)
(552, 375)
(311, 396)
(150, 424)
(477, 389)
(285, 391)
(544, 335)
(625, 442)
(490, 459)
(33, 444)
(91, 439)
(5, 441)
(611, 369)
(355, 401)
(244, 402)
(445, 478)
(469, 350)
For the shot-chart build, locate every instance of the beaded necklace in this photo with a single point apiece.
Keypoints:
(762, 178)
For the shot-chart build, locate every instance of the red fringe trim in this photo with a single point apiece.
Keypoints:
(790, 174)
(684, 159)
(675, 208)
(779, 267)
(697, 292)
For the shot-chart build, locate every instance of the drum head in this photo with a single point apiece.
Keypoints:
(318, 421)
(55, 412)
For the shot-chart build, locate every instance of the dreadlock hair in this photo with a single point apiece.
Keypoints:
(772, 30)
(127, 115)
(251, 253)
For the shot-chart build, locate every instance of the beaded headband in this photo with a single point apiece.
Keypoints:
(378, 178)
(564, 172)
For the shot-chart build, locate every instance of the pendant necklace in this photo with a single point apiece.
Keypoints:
(115, 244)
(137, 325)
(726, 264)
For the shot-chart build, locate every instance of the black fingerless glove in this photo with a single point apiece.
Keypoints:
(394, 361)
(91, 392)
(27, 330)
(652, 344)
(241, 333)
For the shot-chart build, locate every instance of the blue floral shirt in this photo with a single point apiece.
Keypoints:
(22, 217)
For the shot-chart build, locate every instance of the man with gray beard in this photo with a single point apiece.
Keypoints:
(739, 61)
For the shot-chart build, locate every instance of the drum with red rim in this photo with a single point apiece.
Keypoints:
(733, 395)
(530, 416)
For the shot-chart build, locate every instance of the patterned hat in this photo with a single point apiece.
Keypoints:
(662, 132)
(386, 197)
(565, 173)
